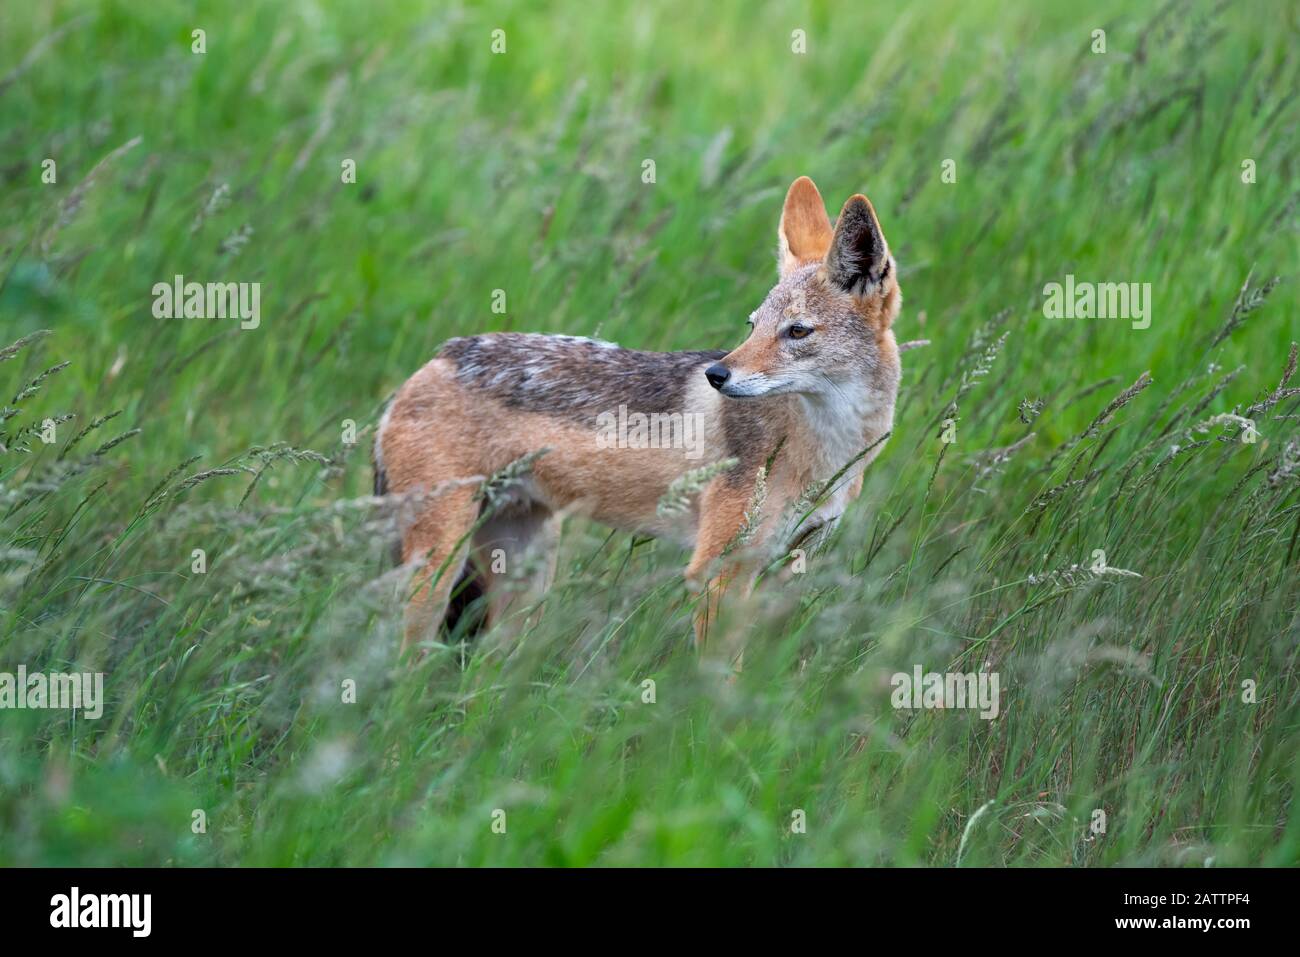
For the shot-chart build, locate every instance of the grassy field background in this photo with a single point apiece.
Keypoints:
(522, 171)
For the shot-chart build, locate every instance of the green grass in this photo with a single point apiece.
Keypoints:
(522, 172)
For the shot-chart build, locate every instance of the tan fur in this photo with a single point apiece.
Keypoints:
(804, 233)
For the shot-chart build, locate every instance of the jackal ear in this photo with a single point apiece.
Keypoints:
(804, 234)
(859, 255)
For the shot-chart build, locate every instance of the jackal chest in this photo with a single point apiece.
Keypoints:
(811, 507)
(827, 464)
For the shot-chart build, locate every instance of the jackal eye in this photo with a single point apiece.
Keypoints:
(799, 331)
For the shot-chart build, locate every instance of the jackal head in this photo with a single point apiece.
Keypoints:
(824, 329)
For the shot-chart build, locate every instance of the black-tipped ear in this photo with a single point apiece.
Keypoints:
(858, 256)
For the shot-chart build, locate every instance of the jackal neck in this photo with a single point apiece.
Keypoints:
(839, 424)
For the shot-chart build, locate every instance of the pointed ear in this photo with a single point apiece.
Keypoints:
(858, 256)
(805, 231)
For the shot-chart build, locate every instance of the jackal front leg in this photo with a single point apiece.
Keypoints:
(718, 561)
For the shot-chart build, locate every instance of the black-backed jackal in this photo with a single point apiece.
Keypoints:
(811, 387)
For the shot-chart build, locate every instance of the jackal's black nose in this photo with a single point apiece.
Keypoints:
(717, 374)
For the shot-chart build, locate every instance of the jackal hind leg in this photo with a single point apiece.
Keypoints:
(516, 552)
(439, 539)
